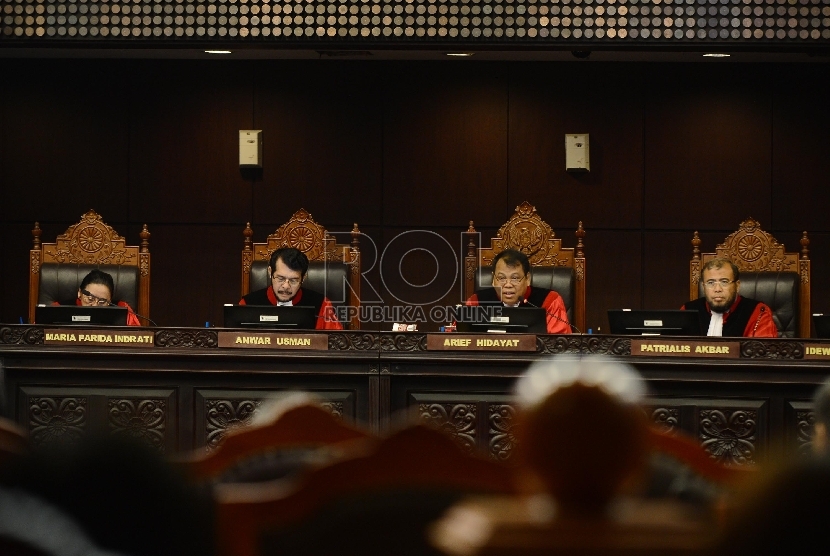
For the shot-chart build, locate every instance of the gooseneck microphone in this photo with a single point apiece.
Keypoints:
(557, 317)
(148, 319)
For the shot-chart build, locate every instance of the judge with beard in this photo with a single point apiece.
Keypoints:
(288, 268)
(722, 310)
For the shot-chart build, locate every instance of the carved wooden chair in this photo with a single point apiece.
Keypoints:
(56, 269)
(334, 269)
(554, 267)
(375, 502)
(768, 274)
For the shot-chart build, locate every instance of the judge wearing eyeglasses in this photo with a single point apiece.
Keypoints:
(288, 268)
(96, 291)
(723, 312)
(511, 286)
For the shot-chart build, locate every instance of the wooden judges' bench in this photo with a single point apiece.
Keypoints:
(177, 388)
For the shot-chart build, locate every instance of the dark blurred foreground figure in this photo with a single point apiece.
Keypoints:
(103, 495)
(584, 446)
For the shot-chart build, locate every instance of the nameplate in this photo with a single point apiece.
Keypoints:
(481, 342)
(817, 351)
(273, 340)
(685, 348)
(98, 338)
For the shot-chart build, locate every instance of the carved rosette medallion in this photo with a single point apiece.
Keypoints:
(302, 232)
(140, 419)
(224, 415)
(457, 420)
(502, 437)
(665, 419)
(56, 420)
(729, 435)
(805, 423)
(90, 241)
(754, 250)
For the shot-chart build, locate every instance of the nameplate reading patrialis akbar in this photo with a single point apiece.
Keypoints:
(273, 340)
(685, 348)
(103, 337)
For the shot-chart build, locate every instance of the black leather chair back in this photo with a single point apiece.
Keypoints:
(328, 278)
(779, 290)
(559, 279)
(60, 282)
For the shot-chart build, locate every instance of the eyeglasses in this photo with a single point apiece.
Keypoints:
(723, 282)
(94, 299)
(282, 279)
(503, 280)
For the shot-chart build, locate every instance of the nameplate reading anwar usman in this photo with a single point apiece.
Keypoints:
(481, 342)
(273, 340)
(685, 348)
(100, 337)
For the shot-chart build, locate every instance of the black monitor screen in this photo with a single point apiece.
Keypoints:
(76, 315)
(494, 318)
(275, 317)
(644, 322)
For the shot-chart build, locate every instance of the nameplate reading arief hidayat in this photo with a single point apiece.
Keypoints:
(98, 338)
(817, 351)
(272, 340)
(481, 342)
(686, 348)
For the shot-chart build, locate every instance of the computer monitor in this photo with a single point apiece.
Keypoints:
(644, 322)
(517, 320)
(77, 315)
(274, 317)
(822, 325)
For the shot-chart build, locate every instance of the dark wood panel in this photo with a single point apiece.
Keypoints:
(800, 143)
(195, 270)
(613, 274)
(708, 159)
(445, 144)
(65, 146)
(605, 101)
(184, 140)
(322, 137)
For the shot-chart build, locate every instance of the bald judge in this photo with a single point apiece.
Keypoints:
(722, 310)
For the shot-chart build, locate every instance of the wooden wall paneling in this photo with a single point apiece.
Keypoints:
(666, 257)
(613, 261)
(799, 420)
(322, 131)
(800, 143)
(707, 146)
(420, 271)
(445, 143)
(195, 271)
(14, 271)
(66, 148)
(184, 140)
(606, 101)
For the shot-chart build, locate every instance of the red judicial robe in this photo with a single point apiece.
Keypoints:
(326, 317)
(747, 318)
(548, 300)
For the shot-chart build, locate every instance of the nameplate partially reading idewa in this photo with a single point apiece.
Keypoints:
(481, 342)
(272, 340)
(63, 336)
(686, 348)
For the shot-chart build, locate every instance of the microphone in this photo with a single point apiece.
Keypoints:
(560, 319)
(148, 319)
